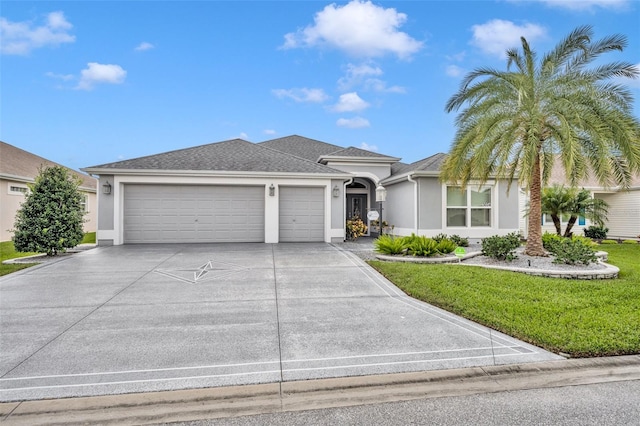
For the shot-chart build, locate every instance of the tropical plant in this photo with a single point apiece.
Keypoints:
(460, 241)
(517, 122)
(423, 246)
(559, 201)
(446, 246)
(50, 219)
(388, 244)
(571, 251)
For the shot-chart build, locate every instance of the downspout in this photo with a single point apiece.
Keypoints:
(344, 207)
(415, 199)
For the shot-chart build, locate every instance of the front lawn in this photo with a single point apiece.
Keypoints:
(7, 252)
(579, 318)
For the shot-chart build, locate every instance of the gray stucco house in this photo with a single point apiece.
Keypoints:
(291, 189)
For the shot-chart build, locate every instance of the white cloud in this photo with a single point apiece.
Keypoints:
(376, 85)
(20, 38)
(243, 135)
(144, 46)
(457, 57)
(353, 123)
(96, 73)
(454, 71)
(63, 77)
(350, 102)
(269, 132)
(302, 94)
(364, 75)
(358, 28)
(586, 5)
(366, 146)
(496, 36)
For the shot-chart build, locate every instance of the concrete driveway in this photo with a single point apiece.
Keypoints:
(163, 317)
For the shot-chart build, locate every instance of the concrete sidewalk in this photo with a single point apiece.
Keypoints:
(233, 401)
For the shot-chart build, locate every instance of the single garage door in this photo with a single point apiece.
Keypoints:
(301, 214)
(193, 214)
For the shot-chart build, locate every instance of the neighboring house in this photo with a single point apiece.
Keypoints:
(623, 219)
(291, 189)
(19, 168)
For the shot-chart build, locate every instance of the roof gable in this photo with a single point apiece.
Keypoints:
(302, 147)
(353, 152)
(430, 164)
(235, 155)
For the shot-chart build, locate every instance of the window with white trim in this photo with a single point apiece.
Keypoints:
(470, 207)
(18, 189)
(85, 203)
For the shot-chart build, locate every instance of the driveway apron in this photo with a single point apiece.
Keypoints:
(140, 318)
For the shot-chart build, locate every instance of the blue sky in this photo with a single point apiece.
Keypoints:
(89, 82)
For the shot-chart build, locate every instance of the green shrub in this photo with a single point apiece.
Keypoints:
(440, 237)
(549, 241)
(446, 246)
(572, 251)
(423, 246)
(596, 232)
(50, 219)
(460, 241)
(629, 242)
(608, 242)
(388, 244)
(501, 247)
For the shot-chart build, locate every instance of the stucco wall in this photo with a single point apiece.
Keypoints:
(380, 171)
(399, 208)
(508, 205)
(430, 203)
(337, 209)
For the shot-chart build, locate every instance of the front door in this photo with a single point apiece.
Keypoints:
(357, 206)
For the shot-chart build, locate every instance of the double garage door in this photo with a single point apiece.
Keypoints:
(193, 213)
(218, 213)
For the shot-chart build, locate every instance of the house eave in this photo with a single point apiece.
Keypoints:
(23, 179)
(214, 173)
(340, 159)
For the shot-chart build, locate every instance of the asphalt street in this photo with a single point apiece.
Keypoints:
(600, 404)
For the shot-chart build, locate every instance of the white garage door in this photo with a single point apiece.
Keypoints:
(301, 214)
(193, 213)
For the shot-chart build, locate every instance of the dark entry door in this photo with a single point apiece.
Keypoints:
(357, 206)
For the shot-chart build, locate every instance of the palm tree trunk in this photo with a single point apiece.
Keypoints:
(572, 221)
(534, 236)
(556, 223)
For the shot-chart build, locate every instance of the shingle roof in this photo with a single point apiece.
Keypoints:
(358, 153)
(302, 147)
(235, 155)
(429, 164)
(22, 164)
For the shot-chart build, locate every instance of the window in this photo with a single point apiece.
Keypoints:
(85, 203)
(468, 208)
(18, 190)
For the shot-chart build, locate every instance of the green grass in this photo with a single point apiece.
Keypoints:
(89, 238)
(580, 318)
(7, 252)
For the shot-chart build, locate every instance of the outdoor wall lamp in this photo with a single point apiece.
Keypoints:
(336, 191)
(272, 190)
(106, 188)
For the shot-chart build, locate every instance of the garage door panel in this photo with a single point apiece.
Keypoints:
(301, 214)
(192, 213)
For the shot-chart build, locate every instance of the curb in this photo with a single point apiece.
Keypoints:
(233, 401)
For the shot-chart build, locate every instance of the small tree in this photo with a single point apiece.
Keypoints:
(558, 201)
(50, 219)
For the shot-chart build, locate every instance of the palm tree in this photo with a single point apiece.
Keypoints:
(559, 201)
(516, 121)
(594, 209)
(556, 201)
